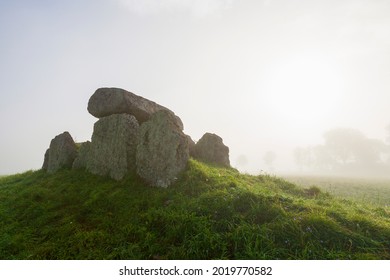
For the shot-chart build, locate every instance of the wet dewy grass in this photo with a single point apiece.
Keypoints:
(366, 190)
(209, 213)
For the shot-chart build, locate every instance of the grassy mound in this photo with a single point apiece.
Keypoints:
(209, 213)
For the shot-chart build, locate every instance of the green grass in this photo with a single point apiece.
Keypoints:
(371, 191)
(209, 213)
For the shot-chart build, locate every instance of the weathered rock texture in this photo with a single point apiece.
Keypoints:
(113, 147)
(162, 151)
(61, 154)
(211, 149)
(108, 101)
(133, 134)
(82, 157)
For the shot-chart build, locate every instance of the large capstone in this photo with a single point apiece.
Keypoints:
(61, 154)
(162, 151)
(210, 149)
(108, 101)
(113, 147)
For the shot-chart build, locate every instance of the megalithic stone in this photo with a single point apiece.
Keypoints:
(108, 101)
(210, 149)
(113, 146)
(61, 154)
(162, 151)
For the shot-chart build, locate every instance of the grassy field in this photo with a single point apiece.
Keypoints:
(209, 213)
(372, 191)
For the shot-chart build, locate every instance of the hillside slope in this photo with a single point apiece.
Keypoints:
(209, 213)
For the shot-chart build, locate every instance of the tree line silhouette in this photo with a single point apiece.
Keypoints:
(346, 151)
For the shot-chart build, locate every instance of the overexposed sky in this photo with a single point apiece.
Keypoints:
(264, 75)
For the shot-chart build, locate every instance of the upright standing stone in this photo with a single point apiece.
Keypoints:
(83, 155)
(113, 147)
(211, 149)
(162, 151)
(61, 154)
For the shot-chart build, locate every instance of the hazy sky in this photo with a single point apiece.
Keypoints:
(264, 75)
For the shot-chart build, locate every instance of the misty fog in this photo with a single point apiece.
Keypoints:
(291, 86)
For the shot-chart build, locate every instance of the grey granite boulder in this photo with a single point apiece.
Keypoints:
(61, 154)
(82, 156)
(210, 149)
(113, 146)
(108, 101)
(162, 151)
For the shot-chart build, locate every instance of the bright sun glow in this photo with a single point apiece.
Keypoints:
(304, 89)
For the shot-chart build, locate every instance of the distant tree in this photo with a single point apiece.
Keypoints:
(323, 159)
(345, 150)
(344, 144)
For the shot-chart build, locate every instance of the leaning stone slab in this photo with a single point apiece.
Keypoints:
(162, 151)
(61, 154)
(108, 101)
(113, 146)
